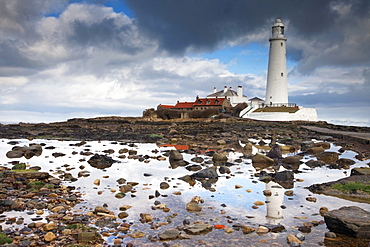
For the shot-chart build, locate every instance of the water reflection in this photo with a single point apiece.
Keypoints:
(274, 199)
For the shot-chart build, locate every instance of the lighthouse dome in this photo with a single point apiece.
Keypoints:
(278, 23)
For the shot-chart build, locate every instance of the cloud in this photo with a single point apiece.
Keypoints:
(320, 33)
(60, 57)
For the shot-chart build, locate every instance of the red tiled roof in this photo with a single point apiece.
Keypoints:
(167, 106)
(184, 105)
(209, 101)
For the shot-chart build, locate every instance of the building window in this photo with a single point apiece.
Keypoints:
(281, 43)
(282, 74)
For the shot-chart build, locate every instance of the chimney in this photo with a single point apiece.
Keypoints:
(225, 89)
(240, 91)
(214, 90)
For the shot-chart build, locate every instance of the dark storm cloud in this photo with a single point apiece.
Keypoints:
(203, 25)
(181, 24)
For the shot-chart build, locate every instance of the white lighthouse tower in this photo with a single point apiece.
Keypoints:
(276, 106)
(277, 85)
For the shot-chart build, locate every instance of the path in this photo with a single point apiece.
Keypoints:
(355, 136)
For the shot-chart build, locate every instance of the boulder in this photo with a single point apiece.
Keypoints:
(219, 157)
(210, 173)
(101, 161)
(345, 163)
(352, 221)
(328, 157)
(175, 155)
(292, 162)
(248, 148)
(262, 160)
(275, 152)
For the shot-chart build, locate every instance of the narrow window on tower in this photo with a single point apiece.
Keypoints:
(282, 74)
(281, 43)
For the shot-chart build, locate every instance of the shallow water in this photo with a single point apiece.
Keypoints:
(237, 202)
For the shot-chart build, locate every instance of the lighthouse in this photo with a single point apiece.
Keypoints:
(277, 85)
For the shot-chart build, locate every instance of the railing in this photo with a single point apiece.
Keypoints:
(278, 105)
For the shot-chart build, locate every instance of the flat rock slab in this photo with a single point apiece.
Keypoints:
(199, 228)
(352, 221)
(327, 188)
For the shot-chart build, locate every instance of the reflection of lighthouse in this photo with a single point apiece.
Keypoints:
(273, 202)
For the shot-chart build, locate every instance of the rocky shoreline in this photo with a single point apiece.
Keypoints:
(137, 129)
(27, 189)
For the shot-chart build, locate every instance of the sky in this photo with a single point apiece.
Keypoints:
(63, 59)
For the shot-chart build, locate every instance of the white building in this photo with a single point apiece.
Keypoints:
(277, 84)
(276, 106)
(235, 97)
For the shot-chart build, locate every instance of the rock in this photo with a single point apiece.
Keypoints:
(175, 156)
(49, 227)
(197, 159)
(345, 163)
(314, 163)
(99, 209)
(14, 154)
(86, 237)
(169, 234)
(146, 217)
(267, 193)
(304, 229)
(315, 150)
(125, 188)
(284, 178)
(100, 161)
(137, 234)
(247, 229)
(49, 236)
(275, 228)
(328, 157)
(96, 182)
(292, 162)
(248, 148)
(262, 230)
(193, 168)
(360, 171)
(293, 239)
(193, 207)
(311, 199)
(224, 169)
(352, 221)
(259, 203)
(210, 173)
(323, 210)
(330, 235)
(300, 236)
(219, 157)
(262, 160)
(164, 185)
(198, 229)
(306, 145)
(221, 142)
(324, 145)
(122, 215)
(275, 152)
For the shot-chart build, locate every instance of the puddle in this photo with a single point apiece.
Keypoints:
(230, 201)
